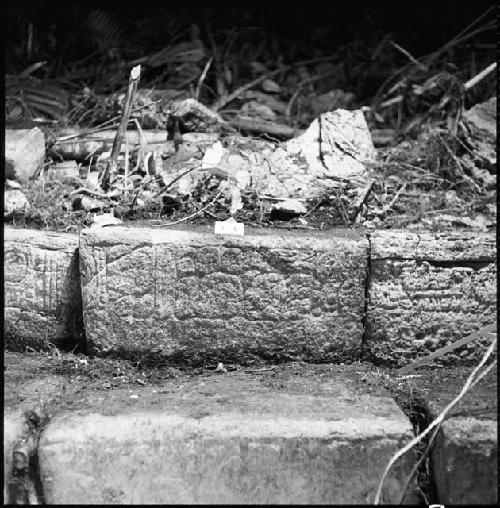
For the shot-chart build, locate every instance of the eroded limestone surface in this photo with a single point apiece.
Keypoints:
(428, 290)
(42, 288)
(201, 297)
(234, 438)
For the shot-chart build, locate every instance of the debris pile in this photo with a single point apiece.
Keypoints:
(206, 131)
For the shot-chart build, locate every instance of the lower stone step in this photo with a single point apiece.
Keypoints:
(314, 435)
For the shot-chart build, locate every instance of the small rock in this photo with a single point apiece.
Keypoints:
(106, 219)
(89, 204)
(220, 368)
(14, 201)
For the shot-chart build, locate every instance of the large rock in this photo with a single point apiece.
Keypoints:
(235, 438)
(428, 290)
(42, 289)
(332, 153)
(337, 145)
(197, 297)
(24, 152)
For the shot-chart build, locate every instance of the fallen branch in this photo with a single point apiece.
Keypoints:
(256, 125)
(198, 212)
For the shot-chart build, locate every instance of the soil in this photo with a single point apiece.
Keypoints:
(429, 390)
(421, 396)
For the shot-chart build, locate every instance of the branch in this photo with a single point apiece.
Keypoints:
(135, 74)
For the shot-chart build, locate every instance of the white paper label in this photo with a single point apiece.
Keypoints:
(229, 227)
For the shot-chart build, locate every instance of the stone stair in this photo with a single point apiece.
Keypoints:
(302, 416)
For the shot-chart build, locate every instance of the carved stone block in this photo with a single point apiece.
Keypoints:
(199, 297)
(428, 290)
(42, 289)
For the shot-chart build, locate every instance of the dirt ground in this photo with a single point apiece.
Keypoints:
(47, 382)
(428, 389)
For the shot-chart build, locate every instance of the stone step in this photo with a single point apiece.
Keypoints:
(194, 297)
(317, 433)
(296, 433)
(428, 290)
(43, 302)
(465, 456)
(200, 297)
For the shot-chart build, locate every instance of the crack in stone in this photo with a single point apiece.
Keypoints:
(367, 283)
(24, 484)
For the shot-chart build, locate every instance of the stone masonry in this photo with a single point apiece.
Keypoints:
(43, 302)
(428, 290)
(195, 296)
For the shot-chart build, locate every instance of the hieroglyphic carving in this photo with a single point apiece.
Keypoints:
(41, 288)
(185, 290)
(428, 290)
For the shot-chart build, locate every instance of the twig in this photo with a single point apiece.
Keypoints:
(362, 197)
(83, 190)
(437, 421)
(434, 435)
(226, 100)
(345, 217)
(178, 177)
(198, 212)
(202, 78)
(410, 57)
(135, 74)
(242, 89)
(478, 77)
(386, 208)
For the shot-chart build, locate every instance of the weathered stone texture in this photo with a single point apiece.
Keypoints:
(228, 439)
(13, 429)
(428, 290)
(465, 462)
(200, 297)
(42, 289)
